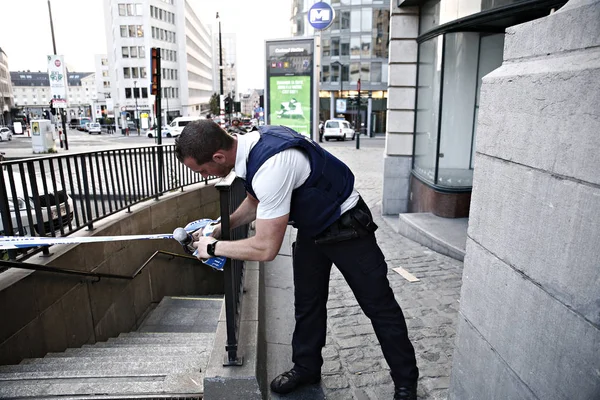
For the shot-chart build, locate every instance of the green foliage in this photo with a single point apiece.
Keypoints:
(213, 104)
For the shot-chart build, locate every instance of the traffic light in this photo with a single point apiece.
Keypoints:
(228, 105)
(237, 106)
(155, 70)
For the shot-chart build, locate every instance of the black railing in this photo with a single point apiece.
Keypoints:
(232, 192)
(57, 195)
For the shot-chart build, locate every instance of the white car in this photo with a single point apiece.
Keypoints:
(5, 134)
(94, 127)
(59, 201)
(177, 125)
(166, 132)
(338, 129)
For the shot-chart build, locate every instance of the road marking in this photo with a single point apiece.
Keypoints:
(406, 275)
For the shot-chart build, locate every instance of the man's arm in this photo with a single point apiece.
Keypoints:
(245, 213)
(263, 246)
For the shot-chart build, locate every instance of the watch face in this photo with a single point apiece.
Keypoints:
(210, 248)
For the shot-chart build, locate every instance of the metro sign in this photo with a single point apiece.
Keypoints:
(321, 16)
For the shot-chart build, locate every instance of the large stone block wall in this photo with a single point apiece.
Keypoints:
(45, 312)
(402, 73)
(529, 323)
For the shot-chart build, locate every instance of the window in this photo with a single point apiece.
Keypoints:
(128, 93)
(365, 46)
(325, 76)
(133, 51)
(144, 93)
(104, 61)
(138, 9)
(367, 19)
(140, 31)
(152, 11)
(345, 19)
(123, 30)
(126, 72)
(335, 46)
(104, 73)
(355, 46)
(132, 31)
(136, 92)
(106, 84)
(135, 73)
(142, 72)
(125, 52)
(122, 9)
(376, 72)
(354, 71)
(365, 75)
(355, 21)
(142, 52)
(130, 10)
(345, 46)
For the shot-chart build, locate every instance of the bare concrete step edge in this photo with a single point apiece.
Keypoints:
(116, 359)
(408, 229)
(238, 382)
(106, 365)
(184, 384)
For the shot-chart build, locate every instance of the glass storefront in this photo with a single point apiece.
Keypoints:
(450, 70)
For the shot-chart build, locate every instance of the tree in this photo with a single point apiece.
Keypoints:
(214, 104)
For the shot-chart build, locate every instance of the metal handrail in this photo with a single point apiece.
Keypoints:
(231, 193)
(65, 193)
(96, 275)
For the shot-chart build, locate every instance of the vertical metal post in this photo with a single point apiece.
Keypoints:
(63, 116)
(220, 58)
(358, 116)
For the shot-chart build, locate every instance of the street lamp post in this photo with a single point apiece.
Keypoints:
(220, 57)
(137, 123)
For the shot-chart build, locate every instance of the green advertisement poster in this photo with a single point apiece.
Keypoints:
(289, 102)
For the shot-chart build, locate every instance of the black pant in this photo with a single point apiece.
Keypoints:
(362, 264)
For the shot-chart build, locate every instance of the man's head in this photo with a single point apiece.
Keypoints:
(205, 148)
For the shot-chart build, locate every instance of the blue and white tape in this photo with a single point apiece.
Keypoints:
(23, 242)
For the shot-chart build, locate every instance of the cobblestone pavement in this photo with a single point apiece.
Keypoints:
(354, 365)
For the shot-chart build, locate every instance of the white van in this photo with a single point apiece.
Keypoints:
(179, 123)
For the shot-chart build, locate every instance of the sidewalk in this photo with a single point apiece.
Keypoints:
(354, 366)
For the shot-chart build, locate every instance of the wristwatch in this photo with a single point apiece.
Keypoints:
(210, 248)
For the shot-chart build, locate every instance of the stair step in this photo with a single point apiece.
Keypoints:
(164, 338)
(135, 351)
(112, 359)
(104, 345)
(119, 368)
(188, 384)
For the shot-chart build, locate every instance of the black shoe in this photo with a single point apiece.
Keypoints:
(291, 380)
(406, 392)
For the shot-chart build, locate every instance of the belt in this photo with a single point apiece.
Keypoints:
(354, 223)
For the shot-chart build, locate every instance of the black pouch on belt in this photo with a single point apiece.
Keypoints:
(357, 222)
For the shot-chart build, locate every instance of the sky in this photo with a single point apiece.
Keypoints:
(79, 32)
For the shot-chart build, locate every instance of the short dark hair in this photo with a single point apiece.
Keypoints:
(200, 140)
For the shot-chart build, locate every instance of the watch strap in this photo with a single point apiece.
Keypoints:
(211, 247)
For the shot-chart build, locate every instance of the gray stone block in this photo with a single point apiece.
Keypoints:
(551, 121)
(495, 379)
(551, 230)
(539, 337)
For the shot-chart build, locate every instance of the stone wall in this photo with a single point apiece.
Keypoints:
(46, 312)
(529, 324)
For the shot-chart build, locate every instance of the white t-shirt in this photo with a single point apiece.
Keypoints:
(275, 180)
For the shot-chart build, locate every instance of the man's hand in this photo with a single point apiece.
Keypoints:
(201, 244)
(216, 233)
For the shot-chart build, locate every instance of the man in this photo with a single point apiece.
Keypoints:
(291, 179)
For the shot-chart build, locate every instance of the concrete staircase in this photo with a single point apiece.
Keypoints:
(167, 363)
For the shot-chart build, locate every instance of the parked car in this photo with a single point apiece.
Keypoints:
(338, 129)
(179, 123)
(58, 201)
(5, 133)
(166, 132)
(94, 127)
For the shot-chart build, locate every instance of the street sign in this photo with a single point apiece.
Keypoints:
(340, 105)
(57, 75)
(321, 16)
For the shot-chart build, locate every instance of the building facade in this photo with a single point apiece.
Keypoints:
(132, 29)
(32, 93)
(354, 47)
(439, 52)
(6, 91)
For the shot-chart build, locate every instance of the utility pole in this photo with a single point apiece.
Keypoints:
(358, 115)
(63, 114)
(135, 93)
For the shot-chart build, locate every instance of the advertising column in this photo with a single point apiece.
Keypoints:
(290, 94)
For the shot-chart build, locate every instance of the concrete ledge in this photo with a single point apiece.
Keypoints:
(237, 382)
(446, 236)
